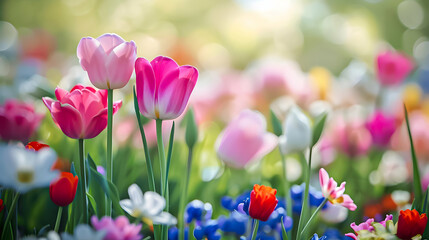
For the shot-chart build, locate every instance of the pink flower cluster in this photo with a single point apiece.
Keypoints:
(118, 229)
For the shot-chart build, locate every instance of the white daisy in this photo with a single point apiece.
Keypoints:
(23, 169)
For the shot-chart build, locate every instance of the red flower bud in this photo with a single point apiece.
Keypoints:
(36, 146)
(63, 189)
(263, 201)
(411, 223)
(1, 205)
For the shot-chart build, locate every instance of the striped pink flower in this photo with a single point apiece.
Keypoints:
(333, 193)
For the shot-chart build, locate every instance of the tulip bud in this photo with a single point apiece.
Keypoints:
(63, 190)
(296, 132)
(191, 136)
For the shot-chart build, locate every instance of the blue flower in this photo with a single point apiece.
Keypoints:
(197, 210)
(230, 204)
(297, 194)
(173, 233)
(315, 237)
(236, 223)
(208, 229)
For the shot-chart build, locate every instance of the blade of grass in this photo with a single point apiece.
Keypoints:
(418, 195)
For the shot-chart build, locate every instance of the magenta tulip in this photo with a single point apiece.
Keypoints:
(245, 140)
(108, 60)
(80, 113)
(18, 121)
(392, 68)
(381, 127)
(163, 87)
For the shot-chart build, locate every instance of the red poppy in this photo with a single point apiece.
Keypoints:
(36, 146)
(63, 189)
(263, 201)
(1, 205)
(411, 223)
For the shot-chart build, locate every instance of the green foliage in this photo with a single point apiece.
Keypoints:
(277, 125)
(318, 128)
(191, 136)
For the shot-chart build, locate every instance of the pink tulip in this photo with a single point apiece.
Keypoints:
(352, 138)
(18, 121)
(335, 194)
(109, 60)
(392, 68)
(245, 140)
(163, 88)
(381, 127)
(80, 113)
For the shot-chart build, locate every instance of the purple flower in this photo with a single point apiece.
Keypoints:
(118, 229)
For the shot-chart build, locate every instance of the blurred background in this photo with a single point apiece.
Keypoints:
(258, 54)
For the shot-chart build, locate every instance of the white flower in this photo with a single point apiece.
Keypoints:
(51, 236)
(84, 232)
(147, 207)
(296, 132)
(23, 169)
(335, 213)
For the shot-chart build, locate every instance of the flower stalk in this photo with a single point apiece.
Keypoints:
(109, 159)
(84, 200)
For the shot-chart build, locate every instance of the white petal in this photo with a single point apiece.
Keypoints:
(153, 204)
(136, 195)
(164, 218)
(127, 205)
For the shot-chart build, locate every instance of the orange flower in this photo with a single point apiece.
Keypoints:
(263, 201)
(36, 146)
(63, 189)
(411, 223)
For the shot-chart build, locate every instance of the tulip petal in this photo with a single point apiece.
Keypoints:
(145, 87)
(48, 102)
(109, 41)
(60, 93)
(120, 64)
(174, 91)
(68, 119)
(96, 124)
(92, 59)
(162, 67)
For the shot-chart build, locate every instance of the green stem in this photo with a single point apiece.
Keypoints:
(305, 199)
(109, 160)
(314, 214)
(184, 197)
(9, 215)
(164, 184)
(255, 229)
(287, 187)
(57, 223)
(82, 178)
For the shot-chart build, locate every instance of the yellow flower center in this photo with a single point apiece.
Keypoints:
(337, 200)
(136, 213)
(25, 176)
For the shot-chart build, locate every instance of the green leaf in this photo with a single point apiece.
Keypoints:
(170, 151)
(318, 128)
(284, 233)
(109, 189)
(191, 135)
(277, 125)
(151, 178)
(418, 195)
